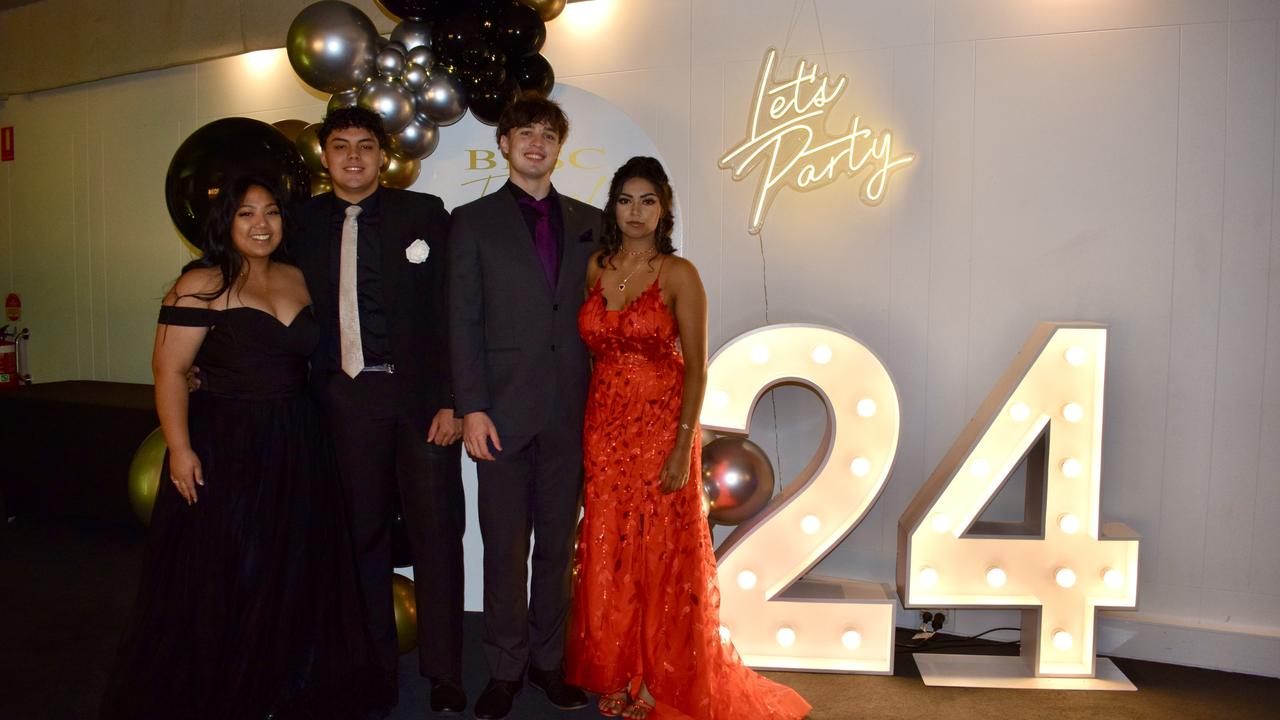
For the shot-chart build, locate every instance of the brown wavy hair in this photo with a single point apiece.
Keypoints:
(645, 168)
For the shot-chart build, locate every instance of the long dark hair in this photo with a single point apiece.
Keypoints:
(217, 248)
(645, 168)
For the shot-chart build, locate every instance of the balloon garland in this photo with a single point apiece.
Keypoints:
(442, 59)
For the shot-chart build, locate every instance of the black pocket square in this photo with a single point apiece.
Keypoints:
(588, 236)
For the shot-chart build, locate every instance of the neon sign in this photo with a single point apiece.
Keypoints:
(788, 138)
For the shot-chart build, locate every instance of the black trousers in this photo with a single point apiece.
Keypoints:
(381, 453)
(534, 485)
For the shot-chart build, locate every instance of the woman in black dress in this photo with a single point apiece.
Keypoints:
(248, 606)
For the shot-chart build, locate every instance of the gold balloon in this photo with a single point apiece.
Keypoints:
(548, 10)
(290, 128)
(406, 609)
(320, 183)
(308, 143)
(399, 172)
(144, 475)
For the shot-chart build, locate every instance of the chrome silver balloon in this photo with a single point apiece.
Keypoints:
(343, 100)
(421, 56)
(442, 100)
(390, 99)
(415, 76)
(331, 46)
(413, 34)
(417, 140)
(390, 62)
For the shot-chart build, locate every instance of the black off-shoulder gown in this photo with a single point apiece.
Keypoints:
(248, 606)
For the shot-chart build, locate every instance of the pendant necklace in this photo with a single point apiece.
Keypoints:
(622, 286)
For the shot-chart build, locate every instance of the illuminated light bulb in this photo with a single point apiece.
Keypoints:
(759, 355)
(810, 524)
(866, 407)
(746, 579)
(980, 467)
(996, 577)
(1062, 639)
(1071, 467)
(852, 639)
(821, 354)
(786, 636)
(928, 577)
(941, 523)
(1019, 412)
(860, 466)
(1112, 578)
(1065, 577)
(719, 399)
(1070, 524)
(1073, 412)
(1076, 355)
(724, 635)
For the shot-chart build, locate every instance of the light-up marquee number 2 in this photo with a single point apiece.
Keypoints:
(852, 631)
(1069, 566)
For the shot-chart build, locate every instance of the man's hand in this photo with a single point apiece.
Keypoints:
(193, 379)
(477, 431)
(445, 428)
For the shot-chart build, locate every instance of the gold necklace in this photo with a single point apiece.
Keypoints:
(622, 286)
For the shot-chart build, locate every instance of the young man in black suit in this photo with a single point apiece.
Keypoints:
(374, 261)
(517, 263)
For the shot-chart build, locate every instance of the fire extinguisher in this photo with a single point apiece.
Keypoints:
(13, 357)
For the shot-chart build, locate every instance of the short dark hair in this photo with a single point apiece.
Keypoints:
(353, 117)
(533, 107)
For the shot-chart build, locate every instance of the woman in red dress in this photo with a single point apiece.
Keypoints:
(645, 627)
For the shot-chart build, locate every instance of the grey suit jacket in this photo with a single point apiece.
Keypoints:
(514, 345)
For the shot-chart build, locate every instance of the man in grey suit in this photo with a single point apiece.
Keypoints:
(517, 263)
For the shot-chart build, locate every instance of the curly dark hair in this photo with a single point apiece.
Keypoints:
(533, 107)
(349, 117)
(645, 168)
(215, 243)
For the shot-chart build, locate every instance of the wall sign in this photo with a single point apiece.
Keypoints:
(787, 138)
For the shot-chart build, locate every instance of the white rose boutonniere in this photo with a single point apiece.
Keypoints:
(417, 251)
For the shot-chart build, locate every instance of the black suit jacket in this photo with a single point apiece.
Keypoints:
(514, 340)
(414, 294)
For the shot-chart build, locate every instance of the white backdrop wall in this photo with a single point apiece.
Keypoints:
(1104, 160)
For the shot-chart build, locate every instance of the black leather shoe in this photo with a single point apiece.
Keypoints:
(447, 696)
(495, 702)
(560, 693)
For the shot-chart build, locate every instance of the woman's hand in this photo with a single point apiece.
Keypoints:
(184, 471)
(675, 470)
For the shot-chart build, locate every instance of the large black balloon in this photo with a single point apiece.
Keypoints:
(460, 37)
(488, 73)
(533, 73)
(418, 9)
(223, 149)
(487, 103)
(516, 30)
(737, 478)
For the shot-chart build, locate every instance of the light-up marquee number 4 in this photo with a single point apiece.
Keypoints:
(1069, 566)
(836, 626)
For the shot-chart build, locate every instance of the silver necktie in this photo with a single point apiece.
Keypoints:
(348, 302)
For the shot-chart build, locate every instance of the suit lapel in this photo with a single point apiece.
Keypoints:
(394, 231)
(521, 242)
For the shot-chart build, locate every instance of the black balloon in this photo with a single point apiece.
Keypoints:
(487, 103)
(220, 150)
(489, 73)
(533, 73)
(517, 30)
(459, 37)
(737, 479)
(418, 9)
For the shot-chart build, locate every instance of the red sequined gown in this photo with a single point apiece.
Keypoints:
(646, 602)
